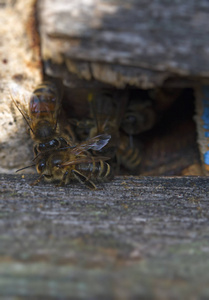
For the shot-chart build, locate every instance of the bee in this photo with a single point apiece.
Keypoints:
(108, 112)
(82, 127)
(107, 108)
(127, 153)
(76, 162)
(140, 116)
(41, 114)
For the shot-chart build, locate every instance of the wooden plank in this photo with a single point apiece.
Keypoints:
(133, 238)
(140, 43)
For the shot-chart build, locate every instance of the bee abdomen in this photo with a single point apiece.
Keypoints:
(130, 158)
(45, 100)
(97, 171)
(46, 87)
(105, 171)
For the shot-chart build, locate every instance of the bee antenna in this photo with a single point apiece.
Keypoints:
(27, 122)
(25, 168)
(36, 156)
(55, 126)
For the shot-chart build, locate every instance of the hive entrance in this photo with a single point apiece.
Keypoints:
(169, 146)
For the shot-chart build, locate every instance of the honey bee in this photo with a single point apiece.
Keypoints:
(82, 127)
(76, 162)
(41, 114)
(127, 153)
(140, 116)
(107, 110)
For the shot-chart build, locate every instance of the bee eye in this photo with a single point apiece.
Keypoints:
(41, 166)
(41, 147)
(53, 143)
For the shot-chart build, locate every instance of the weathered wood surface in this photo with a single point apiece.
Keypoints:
(140, 43)
(19, 65)
(135, 238)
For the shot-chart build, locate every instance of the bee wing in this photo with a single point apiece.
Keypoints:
(98, 142)
(84, 160)
(107, 107)
(101, 109)
(21, 97)
(95, 143)
(86, 123)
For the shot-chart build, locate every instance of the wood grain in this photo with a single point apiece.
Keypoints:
(137, 43)
(135, 238)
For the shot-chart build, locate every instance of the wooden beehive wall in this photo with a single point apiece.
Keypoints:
(20, 64)
(138, 43)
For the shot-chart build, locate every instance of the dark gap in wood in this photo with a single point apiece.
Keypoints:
(170, 147)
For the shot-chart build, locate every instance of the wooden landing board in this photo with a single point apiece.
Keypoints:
(134, 238)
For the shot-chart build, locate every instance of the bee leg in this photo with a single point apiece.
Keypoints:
(83, 179)
(63, 181)
(40, 178)
(70, 132)
(37, 180)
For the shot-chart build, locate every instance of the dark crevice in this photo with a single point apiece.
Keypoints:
(169, 147)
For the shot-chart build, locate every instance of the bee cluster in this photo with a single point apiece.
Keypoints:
(72, 148)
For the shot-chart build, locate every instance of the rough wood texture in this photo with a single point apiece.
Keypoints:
(140, 43)
(136, 238)
(20, 64)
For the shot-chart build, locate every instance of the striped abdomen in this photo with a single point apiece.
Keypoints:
(44, 107)
(98, 171)
(45, 101)
(128, 155)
